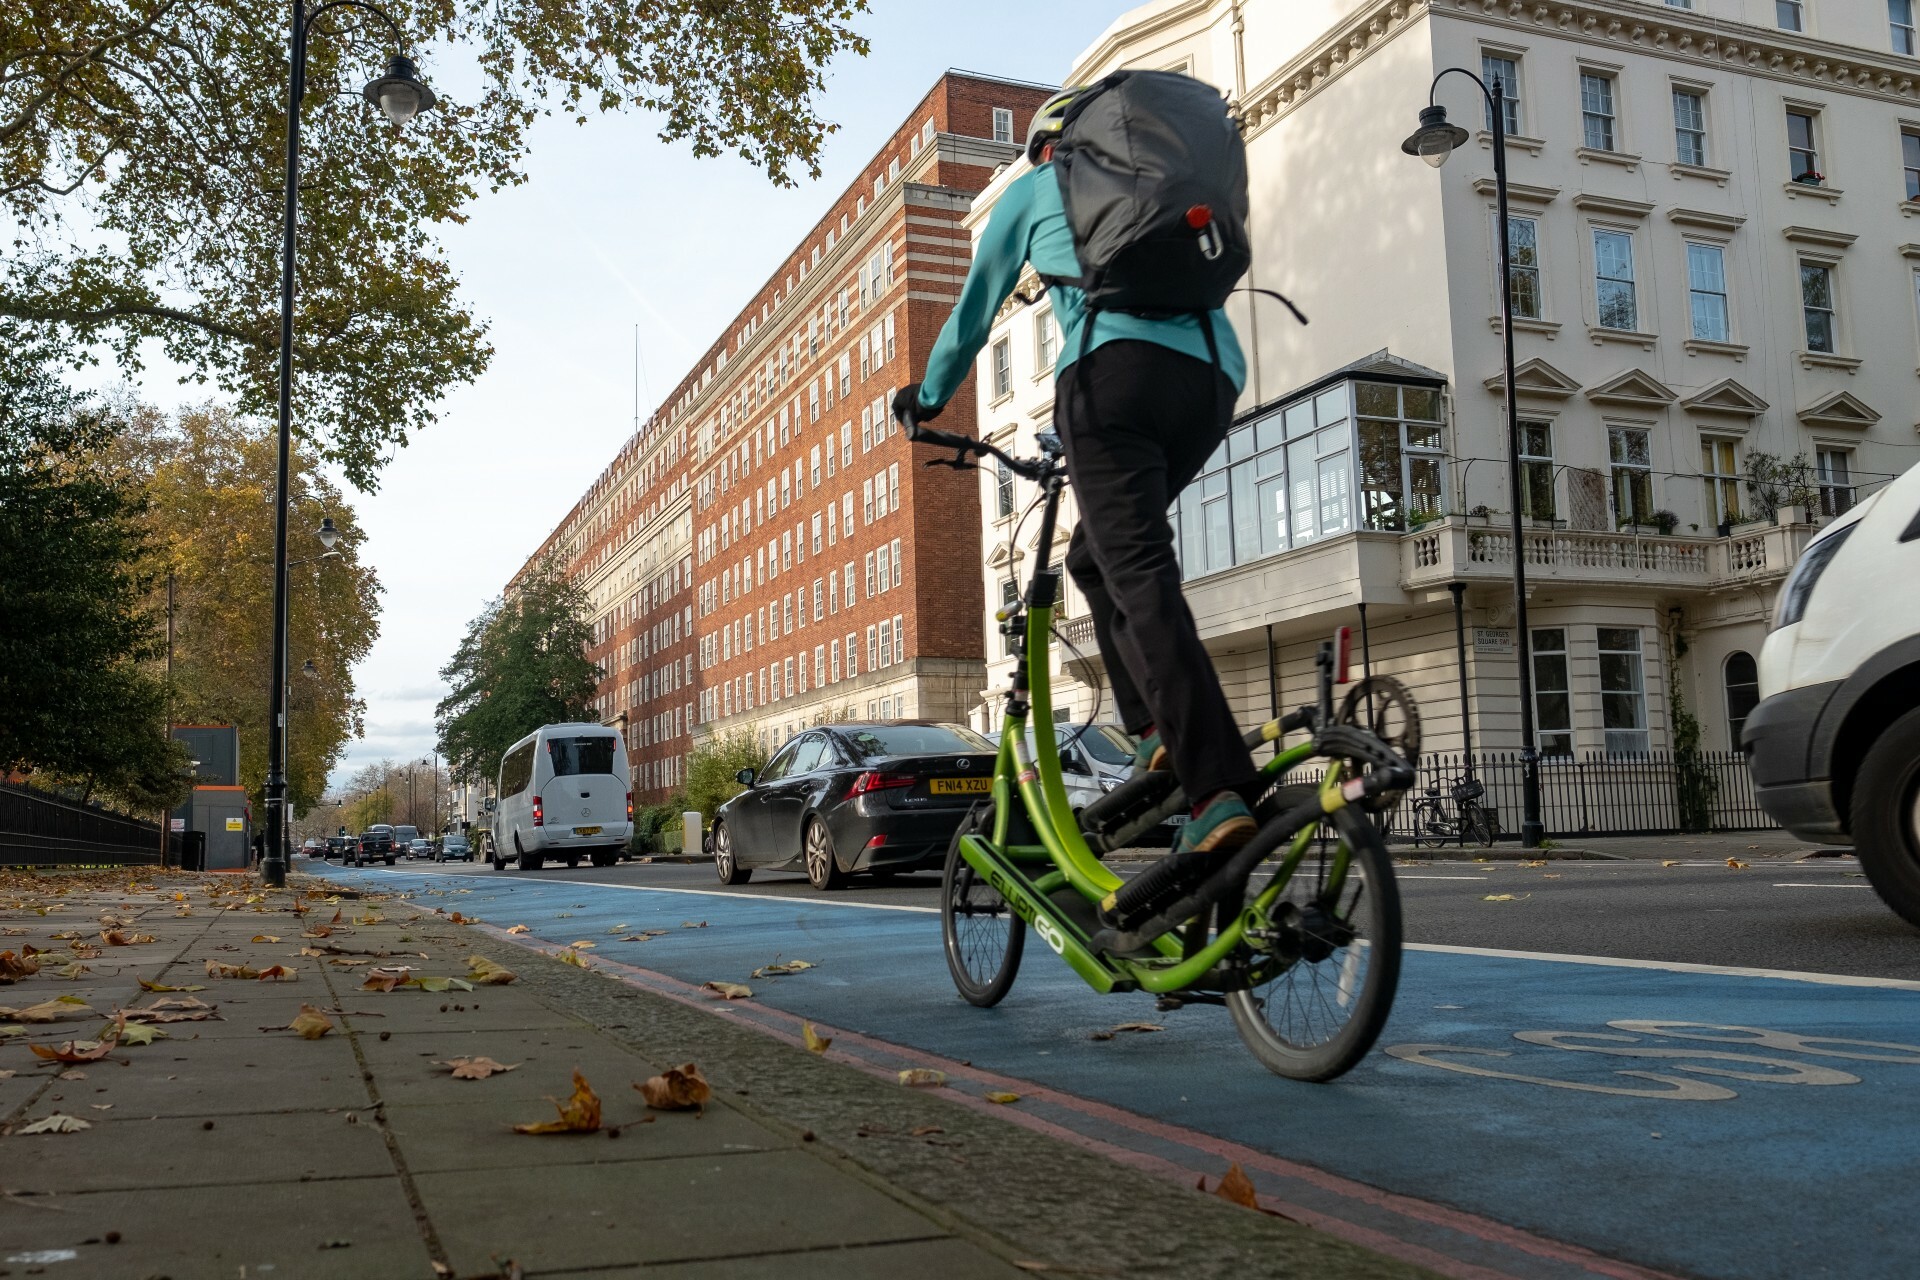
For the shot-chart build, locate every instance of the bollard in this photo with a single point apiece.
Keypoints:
(690, 842)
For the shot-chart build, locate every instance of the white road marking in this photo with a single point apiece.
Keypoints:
(1801, 885)
(1402, 876)
(1673, 966)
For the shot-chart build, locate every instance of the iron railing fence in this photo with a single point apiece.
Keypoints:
(1602, 795)
(40, 829)
(1593, 795)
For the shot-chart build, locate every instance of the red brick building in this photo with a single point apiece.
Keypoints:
(766, 552)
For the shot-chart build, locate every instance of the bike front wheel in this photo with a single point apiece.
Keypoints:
(1429, 829)
(984, 938)
(1318, 1016)
(1477, 827)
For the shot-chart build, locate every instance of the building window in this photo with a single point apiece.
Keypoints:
(1790, 15)
(1816, 300)
(1617, 307)
(1707, 291)
(1046, 337)
(1720, 474)
(899, 562)
(1552, 698)
(1002, 368)
(1630, 454)
(1002, 490)
(1002, 125)
(1690, 126)
(1507, 72)
(1803, 151)
(1623, 692)
(1400, 457)
(1900, 19)
(1523, 265)
(1596, 110)
(1536, 470)
(1835, 470)
(1742, 679)
(1910, 160)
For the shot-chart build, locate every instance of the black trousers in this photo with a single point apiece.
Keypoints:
(1139, 421)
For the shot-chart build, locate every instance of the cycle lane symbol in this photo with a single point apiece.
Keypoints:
(1629, 1038)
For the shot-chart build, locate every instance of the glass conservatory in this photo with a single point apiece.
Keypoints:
(1348, 454)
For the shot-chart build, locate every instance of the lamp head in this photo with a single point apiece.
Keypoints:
(1435, 139)
(310, 671)
(400, 94)
(328, 533)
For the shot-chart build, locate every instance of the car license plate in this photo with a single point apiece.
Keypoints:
(959, 786)
(586, 831)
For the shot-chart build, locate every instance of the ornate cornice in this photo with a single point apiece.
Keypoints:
(1679, 35)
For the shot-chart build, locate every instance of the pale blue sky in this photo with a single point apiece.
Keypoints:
(615, 229)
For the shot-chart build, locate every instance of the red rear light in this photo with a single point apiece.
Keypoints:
(629, 806)
(1342, 653)
(1199, 216)
(875, 781)
(539, 817)
(877, 841)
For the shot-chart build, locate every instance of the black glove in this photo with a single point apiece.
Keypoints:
(907, 406)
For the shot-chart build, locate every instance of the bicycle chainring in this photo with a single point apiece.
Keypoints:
(1384, 707)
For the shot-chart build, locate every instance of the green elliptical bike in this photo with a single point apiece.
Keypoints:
(1305, 954)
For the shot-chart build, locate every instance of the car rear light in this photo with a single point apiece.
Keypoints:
(1342, 654)
(873, 780)
(877, 841)
(629, 806)
(539, 816)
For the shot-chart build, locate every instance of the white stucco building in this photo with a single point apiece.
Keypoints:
(1717, 228)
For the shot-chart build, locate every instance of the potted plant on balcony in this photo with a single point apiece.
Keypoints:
(1782, 489)
(1810, 179)
(1666, 522)
(1483, 513)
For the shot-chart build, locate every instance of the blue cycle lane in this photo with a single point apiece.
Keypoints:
(1523, 1117)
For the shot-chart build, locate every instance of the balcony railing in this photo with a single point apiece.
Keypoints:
(1458, 550)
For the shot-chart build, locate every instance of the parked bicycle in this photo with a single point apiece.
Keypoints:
(1457, 816)
(1306, 961)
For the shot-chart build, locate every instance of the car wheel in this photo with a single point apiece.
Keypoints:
(606, 858)
(389, 861)
(823, 866)
(725, 865)
(1886, 816)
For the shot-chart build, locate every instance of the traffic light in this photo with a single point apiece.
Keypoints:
(343, 831)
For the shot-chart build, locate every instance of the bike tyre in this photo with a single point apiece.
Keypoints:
(1475, 827)
(989, 985)
(1338, 1055)
(1425, 832)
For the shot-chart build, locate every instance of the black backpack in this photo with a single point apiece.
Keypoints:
(1153, 175)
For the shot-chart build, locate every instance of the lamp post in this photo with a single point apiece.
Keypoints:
(1433, 142)
(400, 96)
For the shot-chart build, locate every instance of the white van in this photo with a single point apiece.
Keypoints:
(564, 792)
(1834, 744)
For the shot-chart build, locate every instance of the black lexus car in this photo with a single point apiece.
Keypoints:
(847, 798)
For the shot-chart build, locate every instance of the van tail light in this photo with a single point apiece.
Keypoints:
(872, 780)
(539, 815)
(1342, 654)
(629, 806)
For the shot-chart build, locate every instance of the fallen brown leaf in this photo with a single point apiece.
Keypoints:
(475, 1068)
(1505, 897)
(58, 1123)
(816, 1043)
(1738, 865)
(519, 928)
(73, 1051)
(572, 958)
(488, 973)
(265, 937)
(923, 1077)
(215, 969)
(161, 986)
(1670, 862)
(383, 979)
(579, 1114)
(1137, 1028)
(15, 967)
(677, 1089)
(1236, 1188)
(779, 970)
(1002, 1097)
(49, 1010)
(727, 990)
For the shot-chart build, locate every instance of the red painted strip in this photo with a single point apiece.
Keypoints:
(762, 1018)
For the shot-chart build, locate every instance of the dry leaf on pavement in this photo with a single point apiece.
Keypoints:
(266, 937)
(1237, 1188)
(439, 984)
(677, 1089)
(519, 928)
(215, 969)
(585, 944)
(311, 1024)
(73, 1051)
(777, 970)
(488, 973)
(1505, 897)
(579, 1114)
(475, 1068)
(1670, 862)
(572, 958)
(134, 1033)
(1738, 865)
(1137, 1028)
(383, 979)
(1002, 1097)
(49, 1010)
(923, 1077)
(58, 1123)
(816, 1043)
(14, 967)
(161, 986)
(457, 918)
(693, 924)
(727, 990)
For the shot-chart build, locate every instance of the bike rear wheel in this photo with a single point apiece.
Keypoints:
(1318, 1017)
(984, 938)
(1477, 828)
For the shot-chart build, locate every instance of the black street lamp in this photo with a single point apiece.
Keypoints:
(400, 95)
(1433, 142)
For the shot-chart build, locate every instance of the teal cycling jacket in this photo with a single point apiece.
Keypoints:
(1030, 225)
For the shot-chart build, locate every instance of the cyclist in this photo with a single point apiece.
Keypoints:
(1138, 414)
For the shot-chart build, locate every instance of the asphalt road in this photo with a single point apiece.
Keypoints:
(1815, 915)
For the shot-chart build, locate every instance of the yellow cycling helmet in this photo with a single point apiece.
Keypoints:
(1048, 121)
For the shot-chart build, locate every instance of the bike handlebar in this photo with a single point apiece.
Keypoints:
(1038, 470)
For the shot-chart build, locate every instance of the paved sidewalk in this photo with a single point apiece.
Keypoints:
(1747, 846)
(225, 1149)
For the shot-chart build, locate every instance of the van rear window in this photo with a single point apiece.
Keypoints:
(580, 755)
